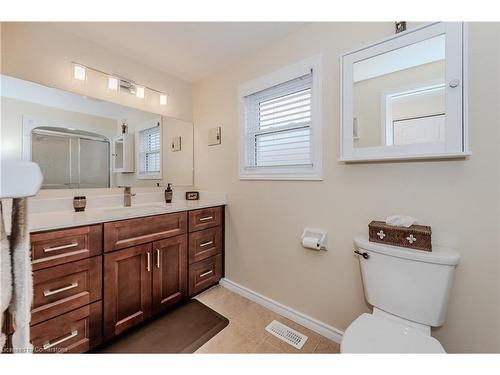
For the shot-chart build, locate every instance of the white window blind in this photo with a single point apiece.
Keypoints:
(278, 125)
(149, 151)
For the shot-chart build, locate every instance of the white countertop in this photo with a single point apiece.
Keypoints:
(47, 213)
(65, 219)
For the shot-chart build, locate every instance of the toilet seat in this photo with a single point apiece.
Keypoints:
(376, 334)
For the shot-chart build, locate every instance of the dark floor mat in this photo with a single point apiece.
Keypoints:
(182, 330)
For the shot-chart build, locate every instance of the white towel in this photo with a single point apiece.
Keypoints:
(5, 275)
(22, 295)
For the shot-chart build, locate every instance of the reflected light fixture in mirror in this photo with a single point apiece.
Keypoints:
(139, 92)
(113, 83)
(163, 99)
(79, 72)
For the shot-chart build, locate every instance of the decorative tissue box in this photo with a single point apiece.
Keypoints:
(414, 237)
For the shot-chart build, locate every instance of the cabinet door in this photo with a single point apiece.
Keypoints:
(127, 288)
(169, 272)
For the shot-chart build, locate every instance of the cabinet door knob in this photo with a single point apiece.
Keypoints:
(157, 258)
(454, 83)
(148, 265)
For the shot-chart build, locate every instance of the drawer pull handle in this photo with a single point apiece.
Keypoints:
(52, 344)
(206, 243)
(55, 248)
(206, 218)
(206, 273)
(148, 266)
(49, 292)
(157, 258)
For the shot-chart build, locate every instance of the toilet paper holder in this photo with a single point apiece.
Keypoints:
(315, 239)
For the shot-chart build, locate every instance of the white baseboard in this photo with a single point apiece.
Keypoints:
(323, 329)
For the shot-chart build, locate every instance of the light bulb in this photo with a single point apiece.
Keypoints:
(113, 83)
(139, 92)
(79, 72)
(163, 99)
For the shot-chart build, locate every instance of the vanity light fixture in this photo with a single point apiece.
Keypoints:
(79, 72)
(163, 99)
(113, 83)
(139, 91)
(117, 82)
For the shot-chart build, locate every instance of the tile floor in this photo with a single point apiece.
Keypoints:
(246, 330)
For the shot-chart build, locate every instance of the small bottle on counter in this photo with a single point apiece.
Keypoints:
(168, 194)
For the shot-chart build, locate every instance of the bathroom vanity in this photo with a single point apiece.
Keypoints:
(93, 282)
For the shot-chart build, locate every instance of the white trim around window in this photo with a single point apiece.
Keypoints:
(252, 89)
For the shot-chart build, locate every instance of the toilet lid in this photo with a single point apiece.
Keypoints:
(375, 334)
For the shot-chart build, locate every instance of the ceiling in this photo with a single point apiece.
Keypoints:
(187, 50)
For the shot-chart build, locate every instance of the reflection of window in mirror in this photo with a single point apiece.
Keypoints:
(149, 153)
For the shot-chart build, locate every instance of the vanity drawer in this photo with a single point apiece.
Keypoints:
(132, 232)
(204, 274)
(74, 332)
(205, 218)
(66, 245)
(204, 244)
(63, 288)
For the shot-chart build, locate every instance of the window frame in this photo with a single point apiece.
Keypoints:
(295, 172)
(140, 175)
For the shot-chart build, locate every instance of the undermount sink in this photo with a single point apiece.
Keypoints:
(134, 209)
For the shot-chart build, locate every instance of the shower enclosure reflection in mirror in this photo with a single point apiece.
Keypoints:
(405, 97)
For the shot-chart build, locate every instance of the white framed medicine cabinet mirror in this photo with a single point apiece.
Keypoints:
(405, 96)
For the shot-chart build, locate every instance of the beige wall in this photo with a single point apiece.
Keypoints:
(458, 198)
(40, 52)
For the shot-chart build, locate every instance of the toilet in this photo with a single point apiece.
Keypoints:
(409, 291)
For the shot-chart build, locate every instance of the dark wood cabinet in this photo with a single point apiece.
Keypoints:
(52, 248)
(74, 332)
(125, 233)
(205, 218)
(169, 272)
(204, 244)
(66, 287)
(204, 274)
(127, 288)
(149, 265)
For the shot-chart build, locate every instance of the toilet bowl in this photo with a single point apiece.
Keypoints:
(409, 291)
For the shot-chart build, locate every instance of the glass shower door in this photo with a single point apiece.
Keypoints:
(70, 160)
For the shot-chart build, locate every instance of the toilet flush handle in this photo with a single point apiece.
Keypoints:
(364, 255)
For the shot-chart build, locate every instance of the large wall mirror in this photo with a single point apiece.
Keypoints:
(82, 142)
(404, 97)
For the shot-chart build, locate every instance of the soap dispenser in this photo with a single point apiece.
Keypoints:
(168, 194)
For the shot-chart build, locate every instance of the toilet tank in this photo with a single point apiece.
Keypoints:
(412, 284)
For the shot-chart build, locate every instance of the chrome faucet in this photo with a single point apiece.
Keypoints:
(127, 196)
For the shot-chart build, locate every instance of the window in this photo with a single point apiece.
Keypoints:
(281, 128)
(149, 154)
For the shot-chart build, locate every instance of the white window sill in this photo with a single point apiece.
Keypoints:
(262, 174)
(149, 176)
